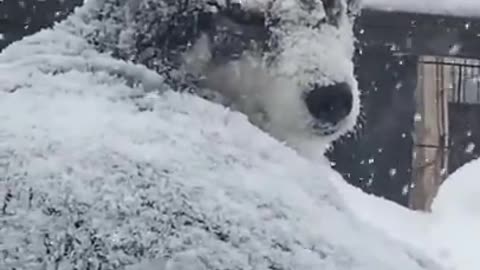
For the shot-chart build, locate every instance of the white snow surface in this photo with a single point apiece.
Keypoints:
(456, 213)
(463, 8)
(449, 233)
(98, 171)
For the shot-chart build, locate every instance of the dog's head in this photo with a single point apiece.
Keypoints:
(306, 48)
(301, 79)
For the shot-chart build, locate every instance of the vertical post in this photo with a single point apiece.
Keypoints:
(431, 132)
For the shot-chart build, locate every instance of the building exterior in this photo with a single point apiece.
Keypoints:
(19, 18)
(420, 76)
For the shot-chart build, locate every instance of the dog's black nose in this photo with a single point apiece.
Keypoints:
(330, 103)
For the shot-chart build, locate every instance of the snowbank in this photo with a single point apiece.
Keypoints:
(456, 211)
(449, 234)
(464, 8)
(98, 171)
(459, 193)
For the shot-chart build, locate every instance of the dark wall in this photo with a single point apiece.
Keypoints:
(464, 134)
(379, 159)
(423, 34)
(19, 18)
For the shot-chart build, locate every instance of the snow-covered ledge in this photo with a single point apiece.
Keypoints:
(461, 8)
(96, 174)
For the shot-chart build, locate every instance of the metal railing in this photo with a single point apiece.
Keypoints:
(463, 76)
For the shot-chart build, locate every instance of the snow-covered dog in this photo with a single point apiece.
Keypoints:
(96, 174)
(286, 64)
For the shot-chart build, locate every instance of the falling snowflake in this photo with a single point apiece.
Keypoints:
(455, 49)
(470, 147)
(418, 117)
(398, 85)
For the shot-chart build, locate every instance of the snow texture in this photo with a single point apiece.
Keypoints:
(99, 171)
(449, 233)
(461, 8)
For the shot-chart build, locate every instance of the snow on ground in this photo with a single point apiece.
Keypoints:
(449, 234)
(96, 173)
(469, 8)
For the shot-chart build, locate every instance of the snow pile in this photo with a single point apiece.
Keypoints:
(459, 193)
(468, 8)
(456, 211)
(449, 233)
(98, 171)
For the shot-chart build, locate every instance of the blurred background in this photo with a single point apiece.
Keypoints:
(420, 78)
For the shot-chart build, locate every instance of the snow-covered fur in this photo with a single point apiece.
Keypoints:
(262, 57)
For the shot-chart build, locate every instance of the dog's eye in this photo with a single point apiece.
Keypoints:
(241, 15)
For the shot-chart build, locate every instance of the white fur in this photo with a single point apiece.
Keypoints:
(271, 96)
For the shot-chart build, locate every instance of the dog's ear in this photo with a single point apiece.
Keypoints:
(333, 10)
(353, 7)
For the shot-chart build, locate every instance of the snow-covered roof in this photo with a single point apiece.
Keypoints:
(95, 173)
(461, 8)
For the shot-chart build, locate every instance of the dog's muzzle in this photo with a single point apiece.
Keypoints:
(329, 105)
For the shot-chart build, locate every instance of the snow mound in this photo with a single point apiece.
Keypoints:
(456, 212)
(459, 193)
(449, 234)
(98, 171)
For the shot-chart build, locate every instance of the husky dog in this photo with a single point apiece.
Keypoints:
(286, 64)
(88, 182)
